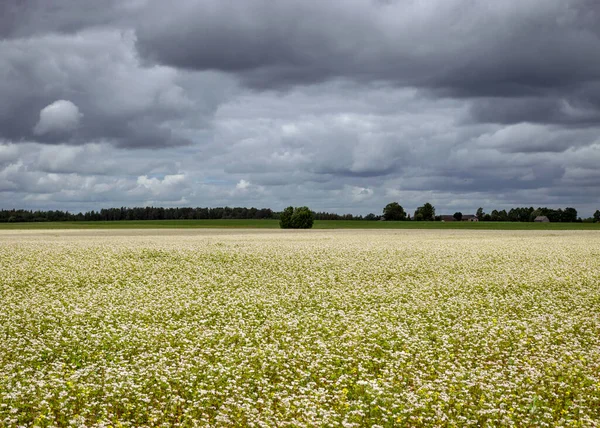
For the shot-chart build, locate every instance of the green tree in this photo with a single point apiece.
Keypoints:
(285, 220)
(457, 216)
(569, 215)
(480, 214)
(426, 212)
(303, 218)
(296, 218)
(597, 216)
(394, 212)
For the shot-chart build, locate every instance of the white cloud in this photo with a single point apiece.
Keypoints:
(242, 185)
(157, 186)
(8, 153)
(60, 116)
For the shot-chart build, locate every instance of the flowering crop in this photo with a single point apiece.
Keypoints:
(310, 328)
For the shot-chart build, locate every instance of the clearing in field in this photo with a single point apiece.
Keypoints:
(305, 328)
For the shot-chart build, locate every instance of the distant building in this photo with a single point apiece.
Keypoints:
(542, 219)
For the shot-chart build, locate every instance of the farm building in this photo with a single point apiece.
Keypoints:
(542, 219)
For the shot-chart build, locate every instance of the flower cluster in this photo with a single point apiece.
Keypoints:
(308, 328)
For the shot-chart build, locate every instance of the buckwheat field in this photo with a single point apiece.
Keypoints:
(277, 328)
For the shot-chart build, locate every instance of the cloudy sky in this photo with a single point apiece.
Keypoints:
(341, 105)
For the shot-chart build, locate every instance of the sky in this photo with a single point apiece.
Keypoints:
(341, 105)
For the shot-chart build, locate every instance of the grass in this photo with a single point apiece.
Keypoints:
(274, 224)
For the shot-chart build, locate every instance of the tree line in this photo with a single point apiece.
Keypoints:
(392, 212)
(395, 212)
(525, 214)
(160, 213)
(139, 213)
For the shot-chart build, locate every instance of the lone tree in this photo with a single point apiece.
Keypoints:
(296, 218)
(480, 214)
(394, 212)
(597, 216)
(457, 216)
(425, 213)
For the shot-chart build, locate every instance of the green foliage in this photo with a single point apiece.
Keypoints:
(425, 213)
(139, 213)
(499, 215)
(302, 218)
(394, 212)
(458, 216)
(597, 216)
(296, 218)
(285, 220)
(520, 214)
(569, 215)
(480, 214)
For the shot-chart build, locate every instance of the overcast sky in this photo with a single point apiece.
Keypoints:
(341, 105)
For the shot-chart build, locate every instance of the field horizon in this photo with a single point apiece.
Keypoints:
(274, 224)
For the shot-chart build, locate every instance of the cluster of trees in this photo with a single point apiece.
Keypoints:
(139, 213)
(296, 218)
(24, 215)
(394, 212)
(524, 214)
(333, 216)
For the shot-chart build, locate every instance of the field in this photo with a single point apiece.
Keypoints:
(235, 327)
(274, 224)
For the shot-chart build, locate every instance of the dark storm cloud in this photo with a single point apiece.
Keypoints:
(97, 71)
(521, 109)
(464, 48)
(26, 18)
(579, 109)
